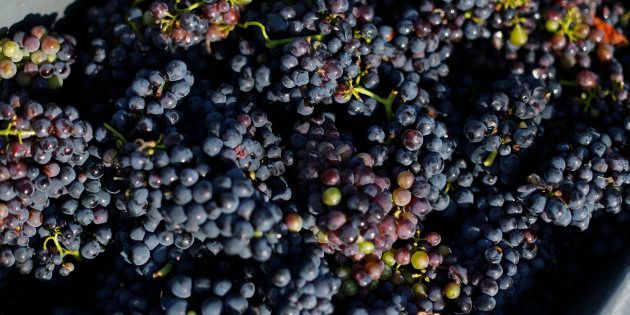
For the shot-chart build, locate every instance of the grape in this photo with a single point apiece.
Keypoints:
(420, 260)
(26, 53)
(10, 49)
(401, 197)
(331, 196)
(7, 69)
(452, 290)
(294, 222)
(405, 179)
(518, 36)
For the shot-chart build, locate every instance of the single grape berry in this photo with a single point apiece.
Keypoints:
(331, 196)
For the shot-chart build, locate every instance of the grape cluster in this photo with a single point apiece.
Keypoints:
(240, 135)
(172, 24)
(150, 101)
(350, 202)
(414, 276)
(418, 147)
(38, 58)
(582, 177)
(312, 157)
(507, 123)
(54, 201)
(172, 193)
(502, 246)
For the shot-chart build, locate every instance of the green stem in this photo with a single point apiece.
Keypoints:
(10, 131)
(190, 8)
(283, 41)
(239, 3)
(448, 187)
(262, 28)
(490, 159)
(273, 43)
(164, 271)
(62, 251)
(117, 134)
(568, 83)
(586, 99)
(278, 42)
(137, 2)
(387, 102)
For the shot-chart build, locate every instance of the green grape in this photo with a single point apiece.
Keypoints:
(349, 288)
(343, 272)
(518, 36)
(419, 290)
(552, 26)
(366, 247)
(387, 273)
(388, 258)
(293, 222)
(55, 82)
(38, 57)
(331, 196)
(452, 290)
(10, 49)
(420, 260)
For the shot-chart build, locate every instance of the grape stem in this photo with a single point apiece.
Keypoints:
(263, 29)
(163, 271)
(568, 23)
(62, 251)
(11, 131)
(448, 187)
(189, 8)
(568, 83)
(238, 3)
(273, 43)
(120, 139)
(586, 99)
(387, 102)
(490, 159)
(511, 4)
(137, 2)
(150, 146)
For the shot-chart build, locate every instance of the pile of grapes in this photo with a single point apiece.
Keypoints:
(312, 157)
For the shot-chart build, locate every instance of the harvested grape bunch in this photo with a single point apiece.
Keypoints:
(37, 58)
(55, 206)
(315, 157)
(239, 134)
(504, 125)
(350, 202)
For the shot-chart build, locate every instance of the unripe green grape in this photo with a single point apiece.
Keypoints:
(366, 247)
(552, 26)
(349, 288)
(420, 260)
(452, 290)
(10, 48)
(38, 57)
(55, 82)
(518, 36)
(419, 290)
(331, 196)
(388, 258)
